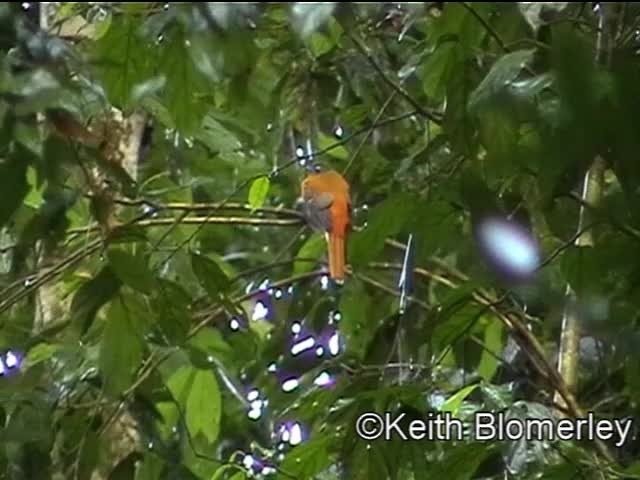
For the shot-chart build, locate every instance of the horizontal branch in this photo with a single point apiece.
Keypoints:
(206, 207)
(208, 220)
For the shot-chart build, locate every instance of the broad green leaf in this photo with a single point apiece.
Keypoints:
(34, 198)
(225, 470)
(331, 146)
(124, 59)
(210, 275)
(385, 220)
(132, 270)
(313, 248)
(198, 395)
(204, 405)
(461, 462)
(147, 88)
(206, 57)
(121, 349)
(102, 25)
(320, 44)
(150, 468)
(171, 303)
(438, 67)
(209, 341)
(502, 74)
(217, 137)
(454, 321)
(259, 191)
(454, 402)
(493, 344)
(355, 324)
(435, 227)
(310, 458)
(582, 269)
(91, 296)
(40, 353)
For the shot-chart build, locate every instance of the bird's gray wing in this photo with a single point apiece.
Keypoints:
(315, 210)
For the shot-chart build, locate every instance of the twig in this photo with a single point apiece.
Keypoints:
(486, 26)
(369, 132)
(157, 222)
(435, 117)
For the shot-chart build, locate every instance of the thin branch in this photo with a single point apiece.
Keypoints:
(209, 220)
(205, 207)
(490, 30)
(369, 132)
(435, 117)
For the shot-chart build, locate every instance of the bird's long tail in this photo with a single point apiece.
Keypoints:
(336, 257)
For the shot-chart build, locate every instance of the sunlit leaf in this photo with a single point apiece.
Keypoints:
(259, 191)
(493, 344)
(40, 353)
(198, 394)
(328, 144)
(453, 403)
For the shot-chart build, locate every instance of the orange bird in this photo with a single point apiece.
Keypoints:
(326, 205)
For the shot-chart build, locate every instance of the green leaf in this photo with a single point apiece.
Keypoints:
(198, 394)
(438, 68)
(223, 472)
(330, 145)
(502, 74)
(102, 26)
(310, 458)
(313, 248)
(132, 270)
(217, 137)
(355, 305)
(150, 468)
(209, 61)
(186, 85)
(453, 403)
(582, 269)
(385, 220)
(435, 227)
(171, 303)
(147, 88)
(259, 191)
(210, 275)
(320, 44)
(121, 349)
(493, 346)
(124, 59)
(209, 341)
(40, 353)
(461, 462)
(91, 296)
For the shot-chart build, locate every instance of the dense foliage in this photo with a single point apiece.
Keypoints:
(150, 310)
